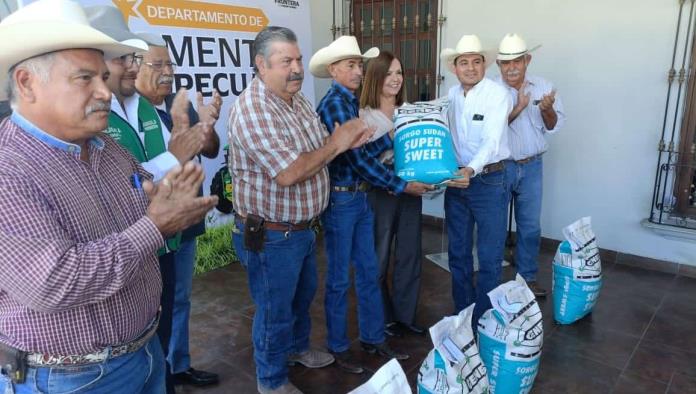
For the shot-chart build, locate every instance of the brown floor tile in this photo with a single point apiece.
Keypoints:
(655, 361)
(682, 384)
(630, 383)
(587, 340)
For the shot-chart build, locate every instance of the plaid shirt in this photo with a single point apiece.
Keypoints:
(340, 105)
(266, 135)
(79, 265)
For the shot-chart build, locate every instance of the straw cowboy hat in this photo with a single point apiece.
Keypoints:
(109, 20)
(513, 46)
(468, 44)
(47, 26)
(345, 47)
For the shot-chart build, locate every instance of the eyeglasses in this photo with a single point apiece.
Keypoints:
(130, 59)
(159, 66)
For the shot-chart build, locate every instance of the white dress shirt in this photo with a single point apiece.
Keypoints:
(478, 123)
(159, 165)
(526, 132)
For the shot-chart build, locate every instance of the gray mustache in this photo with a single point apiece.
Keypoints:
(296, 77)
(98, 106)
(165, 79)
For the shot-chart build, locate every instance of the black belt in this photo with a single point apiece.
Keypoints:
(357, 187)
(493, 167)
(528, 159)
(283, 226)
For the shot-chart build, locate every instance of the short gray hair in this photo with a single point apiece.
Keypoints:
(266, 37)
(38, 65)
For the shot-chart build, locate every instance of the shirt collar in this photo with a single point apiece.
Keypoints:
(343, 91)
(50, 140)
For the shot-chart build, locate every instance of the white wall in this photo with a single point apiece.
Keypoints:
(322, 19)
(609, 60)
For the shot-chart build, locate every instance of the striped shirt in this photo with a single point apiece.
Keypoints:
(526, 133)
(79, 265)
(266, 135)
(339, 105)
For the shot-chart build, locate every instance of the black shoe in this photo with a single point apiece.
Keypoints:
(344, 360)
(412, 328)
(195, 378)
(393, 329)
(383, 350)
(536, 290)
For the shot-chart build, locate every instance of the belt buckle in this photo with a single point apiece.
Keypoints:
(363, 186)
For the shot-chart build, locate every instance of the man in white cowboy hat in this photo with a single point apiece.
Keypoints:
(136, 124)
(348, 222)
(478, 115)
(537, 111)
(278, 155)
(80, 224)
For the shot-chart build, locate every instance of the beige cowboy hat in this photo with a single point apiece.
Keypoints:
(468, 44)
(513, 46)
(344, 47)
(109, 20)
(48, 26)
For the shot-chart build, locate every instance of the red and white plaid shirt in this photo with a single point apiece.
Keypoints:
(266, 135)
(78, 263)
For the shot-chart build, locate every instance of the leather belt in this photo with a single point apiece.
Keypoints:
(528, 159)
(53, 360)
(358, 187)
(282, 226)
(493, 167)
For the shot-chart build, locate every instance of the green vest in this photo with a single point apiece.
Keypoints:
(149, 124)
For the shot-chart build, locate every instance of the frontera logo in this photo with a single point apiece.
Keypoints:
(288, 3)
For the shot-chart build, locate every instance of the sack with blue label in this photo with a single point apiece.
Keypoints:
(577, 273)
(423, 148)
(454, 364)
(511, 336)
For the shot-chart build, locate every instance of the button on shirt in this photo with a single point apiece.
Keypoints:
(161, 164)
(340, 105)
(526, 132)
(266, 136)
(79, 264)
(478, 123)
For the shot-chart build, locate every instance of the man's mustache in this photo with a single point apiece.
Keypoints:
(165, 79)
(296, 77)
(100, 105)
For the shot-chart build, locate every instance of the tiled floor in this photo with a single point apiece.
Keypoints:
(640, 338)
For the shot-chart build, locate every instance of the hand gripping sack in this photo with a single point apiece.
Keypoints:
(577, 273)
(454, 365)
(510, 338)
(423, 148)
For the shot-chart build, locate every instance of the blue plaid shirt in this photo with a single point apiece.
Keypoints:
(340, 105)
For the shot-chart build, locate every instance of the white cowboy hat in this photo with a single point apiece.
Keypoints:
(468, 44)
(345, 47)
(513, 46)
(152, 39)
(109, 20)
(48, 26)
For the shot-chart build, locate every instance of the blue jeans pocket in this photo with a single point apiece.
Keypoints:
(72, 380)
(342, 198)
(493, 179)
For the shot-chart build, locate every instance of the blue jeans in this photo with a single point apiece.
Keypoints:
(138, 372)
(526, 185)
(483, 203)
(349, 236)
(184, 261)
(282, 283)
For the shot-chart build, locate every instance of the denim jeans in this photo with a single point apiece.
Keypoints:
(282, 283)
(526, 182)
(184, 261)
(138, 372)
(164, 330)
(483, 203)
(349, 236)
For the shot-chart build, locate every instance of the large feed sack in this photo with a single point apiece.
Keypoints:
(423, 148)
(511, 336)
(577, 273)
(454, 364)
